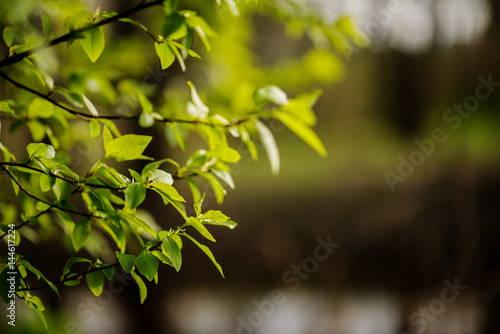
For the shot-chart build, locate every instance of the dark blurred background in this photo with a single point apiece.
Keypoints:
(397, 249)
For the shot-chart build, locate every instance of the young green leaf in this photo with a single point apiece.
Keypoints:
(147, 264)
(172, 251)
(162, 257)
(93, 43)
(40, 108)
(143, 290)
(165, 53)
(95, 281)
(39, 275)
(200, 228)
(202, 29)
(267, 139)
(226, 154)
(90, 106)
(12, 37)
(135, 195)
(46, 183)
(70, 262)
(205, 250)
(127, 261)
(47, 26)
(127, 147)
(172, 23)
(36, 303)
(41, 150)
(200, 109)
(272, 94)
(81, 233)
(72, 97)
(95, 129)
(165, 189)
(146, 120)
(158, 175)
(304, 132)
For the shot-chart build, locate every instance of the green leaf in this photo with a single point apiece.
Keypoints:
(224, 176)
(8, 276)
(205, 250)
(146, 120)
(81, 233)
(38, 311)
(165, 53)
(178, 136)
(90, 106)
(200, 228)
(141, 224)
(214, 215)
(127, 147)
(226, 154)
(202, 29)
(46, 182)
(147, 264)
(172, 23)
(272, 94)
(304, 132)
(169, 6)
(70, 262)
(95, 281)
(135, 195)
(95, 129)
(136, 176)
(158, 175)
(41, 150)
(12, 37)
(127, 261)
(108, 270)
(143, 291)
(39, 275)
(178, 55)
(200, 107)
(217, 188)
(47, 26)
(93, 43)
(194, 188)
(40, 108)
(172, 251)
(267, 139)
(167, 190)
(162, 257)
(72, 97)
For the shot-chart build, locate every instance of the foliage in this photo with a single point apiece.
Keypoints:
(93, 208)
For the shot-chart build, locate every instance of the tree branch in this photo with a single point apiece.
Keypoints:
(64, 38)
(73, 277)
(35, 197)
(88, 117)
(72, 182)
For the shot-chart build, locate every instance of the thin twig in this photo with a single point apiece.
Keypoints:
(39, 199)
(64, 38)
(88, 117)
(73, 182)
(73, 277)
